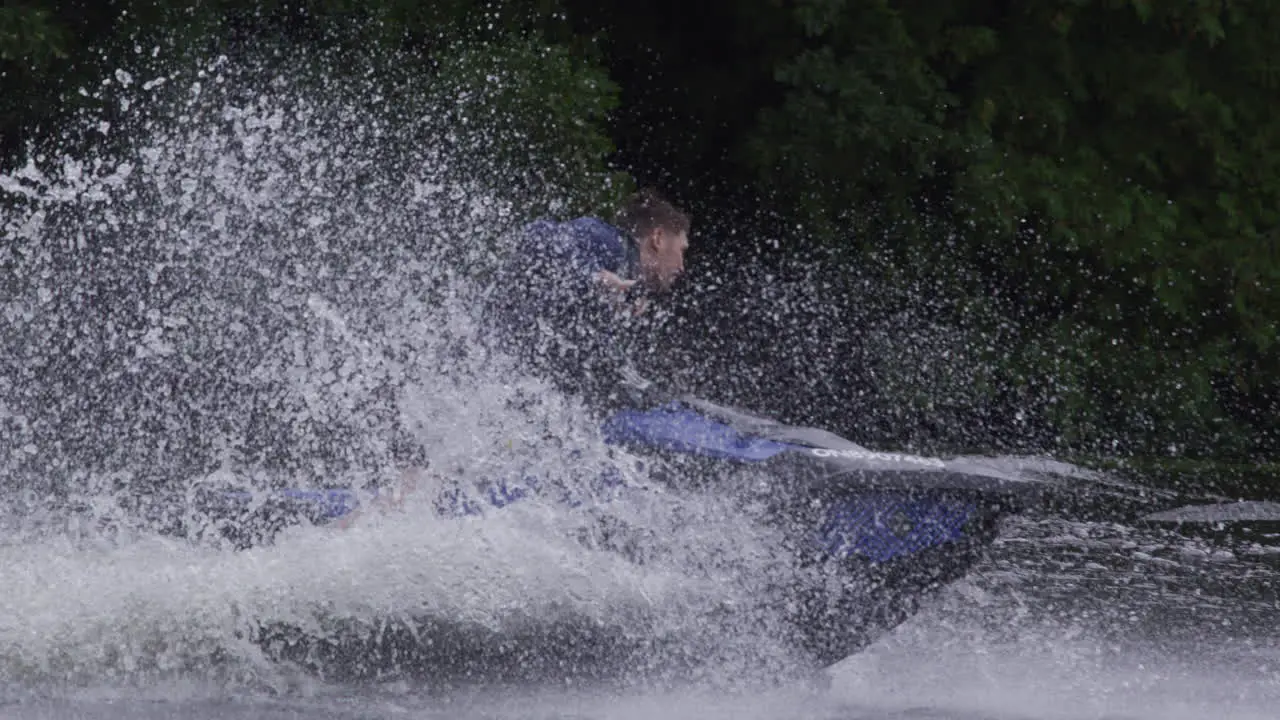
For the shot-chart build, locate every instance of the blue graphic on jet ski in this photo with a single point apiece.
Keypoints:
(674, 427)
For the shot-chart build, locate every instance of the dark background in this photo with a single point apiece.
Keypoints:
(982, 225)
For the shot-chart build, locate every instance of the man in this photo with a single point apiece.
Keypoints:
(570, 289)
(562, 301)
(655, 236)
(644, 250)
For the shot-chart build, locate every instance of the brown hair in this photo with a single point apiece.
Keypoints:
(646, 211)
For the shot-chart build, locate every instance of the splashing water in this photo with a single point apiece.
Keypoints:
(256, 282)
(266, 285)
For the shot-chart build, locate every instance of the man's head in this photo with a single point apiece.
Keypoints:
(661, 233)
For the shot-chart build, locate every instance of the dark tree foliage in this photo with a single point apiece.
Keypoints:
(1088, 191)
(1103, 174)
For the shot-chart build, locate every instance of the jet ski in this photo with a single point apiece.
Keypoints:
(883, 529)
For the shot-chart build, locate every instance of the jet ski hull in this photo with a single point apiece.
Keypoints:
(862, 565)
(872, 534)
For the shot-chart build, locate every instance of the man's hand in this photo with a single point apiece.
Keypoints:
(613, 282)
(619, 287)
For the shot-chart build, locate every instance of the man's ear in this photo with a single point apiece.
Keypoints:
(656, 239)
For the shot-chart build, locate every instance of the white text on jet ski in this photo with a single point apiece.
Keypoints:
(872, 455)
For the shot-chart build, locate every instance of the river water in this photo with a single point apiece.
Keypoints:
(1064, 620)
(256, 283)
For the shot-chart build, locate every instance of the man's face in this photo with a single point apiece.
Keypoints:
(662, 257)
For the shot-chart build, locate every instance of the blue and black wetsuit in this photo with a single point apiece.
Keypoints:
(573, 252)
(548, 308)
